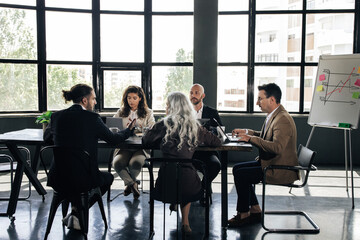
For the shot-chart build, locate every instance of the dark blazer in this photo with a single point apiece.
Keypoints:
(211, 113)
(75, 127)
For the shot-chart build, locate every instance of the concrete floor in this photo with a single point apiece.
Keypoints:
(325, 199)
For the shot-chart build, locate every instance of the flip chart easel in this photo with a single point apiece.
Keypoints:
(347, 140)
(336, 100)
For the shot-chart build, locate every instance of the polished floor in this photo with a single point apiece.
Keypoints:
(325, 199)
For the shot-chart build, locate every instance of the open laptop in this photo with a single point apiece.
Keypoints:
(204, 121)
(225, 137)
(114, 122)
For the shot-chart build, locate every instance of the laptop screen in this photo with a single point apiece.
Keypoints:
(114, 122)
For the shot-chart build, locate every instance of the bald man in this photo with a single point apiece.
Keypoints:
(197, 95)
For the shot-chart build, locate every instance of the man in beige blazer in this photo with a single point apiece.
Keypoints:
(277, 146)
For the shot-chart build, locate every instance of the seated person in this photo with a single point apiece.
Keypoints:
(128, 163)
(178, 134)
(277, 146)
(78, 126)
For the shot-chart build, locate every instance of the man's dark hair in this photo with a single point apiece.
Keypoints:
(271, 90)
(77, 93)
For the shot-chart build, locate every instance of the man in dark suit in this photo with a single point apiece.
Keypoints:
(78, 126)
(197, 94)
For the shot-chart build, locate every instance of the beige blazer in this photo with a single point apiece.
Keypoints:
(277, 146)
(148, 121)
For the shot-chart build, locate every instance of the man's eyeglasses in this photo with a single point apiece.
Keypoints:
(260, 99)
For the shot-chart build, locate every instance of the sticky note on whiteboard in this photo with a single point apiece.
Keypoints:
(357, 83)
(322, 77)
(356, 95)
(358, 71)
(320, 88)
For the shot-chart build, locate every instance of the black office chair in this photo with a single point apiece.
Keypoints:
(70, 164)
(9, 166)
(306, 159)
(171, 168)
(111, 157)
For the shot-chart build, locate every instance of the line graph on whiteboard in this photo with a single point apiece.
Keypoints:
(335, 87)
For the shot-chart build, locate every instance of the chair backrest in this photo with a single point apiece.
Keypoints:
(71, 170)
(305, 156)
(168, 186)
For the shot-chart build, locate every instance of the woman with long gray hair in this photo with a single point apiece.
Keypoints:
(178, 134)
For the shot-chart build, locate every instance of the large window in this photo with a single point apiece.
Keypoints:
(282, 51)
(49, 45)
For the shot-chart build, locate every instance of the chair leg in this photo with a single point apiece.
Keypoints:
(101, 206)
(84, 213)
(56, 201)
(65, 207)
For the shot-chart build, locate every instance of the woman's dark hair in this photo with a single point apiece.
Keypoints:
(77, 93)
(142, 107)
(271, 90)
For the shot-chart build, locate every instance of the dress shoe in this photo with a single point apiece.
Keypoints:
(173, 207)
(255, 217)
(73, 223)
(237, 221)
(186, 230)
(127, 191)
(135, 190)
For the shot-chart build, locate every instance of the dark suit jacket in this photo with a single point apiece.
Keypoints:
(211, 113)
(75, 127)
(277, 146)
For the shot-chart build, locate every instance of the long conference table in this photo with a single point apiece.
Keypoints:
(30, 136)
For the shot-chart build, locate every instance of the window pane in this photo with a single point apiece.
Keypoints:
(310, 76)
(233, 38)
(19, 90)
(330, 4)
(278, 38)
(172, 5)
(128, 5)
(18, 34)
(233, 5)
(68, 36)
(20, 2)
(81, 4)
(279, 5)
(232, 88)
(173, 38)
(328, 34)
(63, 77)
(287, 78)
(126, 43)
(115, 82)
(169, 79)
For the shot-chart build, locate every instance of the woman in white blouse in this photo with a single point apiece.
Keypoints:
(128, 163)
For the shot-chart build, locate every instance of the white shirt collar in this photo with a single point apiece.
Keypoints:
(199, 113)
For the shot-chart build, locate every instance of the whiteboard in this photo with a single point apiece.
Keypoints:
(336, 91)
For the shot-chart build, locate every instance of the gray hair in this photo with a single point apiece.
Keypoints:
(181, 120)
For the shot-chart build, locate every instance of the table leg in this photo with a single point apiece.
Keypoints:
(224, 189)
(35, 162)
(22, 167)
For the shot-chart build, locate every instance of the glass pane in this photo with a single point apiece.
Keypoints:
(126, 43)
(330, 4)
(172, 39)
(287, 78)
(233, 5)
(172, 5)
(128, 5)
(233, 38)
(18, 34)
(328, 34)
(169, 79)
(232, 88)
(68, 36)
(279, 5)
(19, 89)
(81, 4)
(310, 76)
(63, 77)
(278, 38)
(115, 82)
(20, 2)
